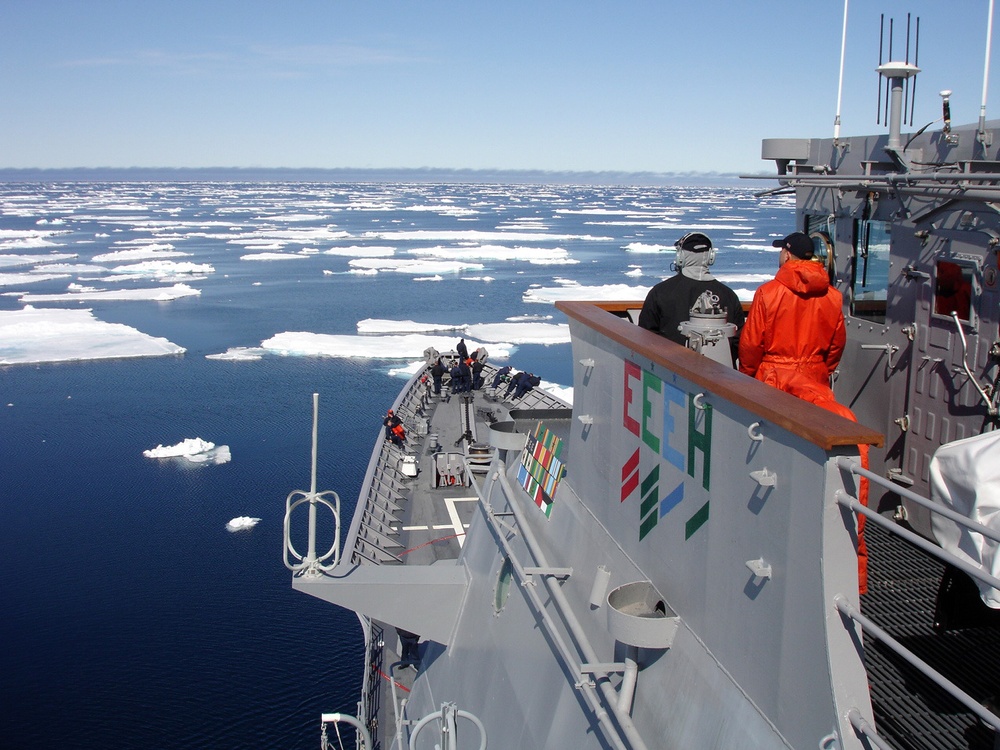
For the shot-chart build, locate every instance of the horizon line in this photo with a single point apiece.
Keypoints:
(372, 174)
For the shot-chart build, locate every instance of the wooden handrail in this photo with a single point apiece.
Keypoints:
(808, 421)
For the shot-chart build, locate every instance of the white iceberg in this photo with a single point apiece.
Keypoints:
(241, 523)
(195, 450)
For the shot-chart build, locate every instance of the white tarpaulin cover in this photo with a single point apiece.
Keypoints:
(965, 476)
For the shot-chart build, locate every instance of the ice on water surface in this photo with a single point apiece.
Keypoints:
(242, 523)
(194, 450)
(35, 335)
(360, 234)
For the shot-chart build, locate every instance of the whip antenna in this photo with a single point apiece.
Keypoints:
(881, 43)
(981, 134)
(840, 84)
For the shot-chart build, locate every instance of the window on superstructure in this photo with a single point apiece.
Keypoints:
(822, 230)
(953, 289)
(870, 274)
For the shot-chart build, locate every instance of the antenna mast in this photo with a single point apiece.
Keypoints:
(840, 84)
(981, 134)
(897, 75)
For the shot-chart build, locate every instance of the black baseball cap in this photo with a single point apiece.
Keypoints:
(694, 242)
(798, 244)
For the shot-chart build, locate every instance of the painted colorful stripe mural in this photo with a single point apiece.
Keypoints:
(541, 467)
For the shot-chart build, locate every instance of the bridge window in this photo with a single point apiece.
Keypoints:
(870, 275)
(822, 230)
(953, 290)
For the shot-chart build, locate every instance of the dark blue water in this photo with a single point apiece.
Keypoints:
(131, 617)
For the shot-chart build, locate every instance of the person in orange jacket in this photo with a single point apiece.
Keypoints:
(796, 322)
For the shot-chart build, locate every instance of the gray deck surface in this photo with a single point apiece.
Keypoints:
(432, 520)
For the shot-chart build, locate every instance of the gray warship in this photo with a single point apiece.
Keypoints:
(671, 560)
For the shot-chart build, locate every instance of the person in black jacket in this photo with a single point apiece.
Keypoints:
(669, 303)
(437, 372)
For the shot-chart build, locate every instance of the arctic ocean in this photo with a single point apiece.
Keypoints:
(145, 327)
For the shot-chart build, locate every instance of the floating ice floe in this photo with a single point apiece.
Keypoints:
(410, 346)
(645, 247)
(272, 256)
(32, 335)
(476, 235)
(195, 450)
(415, 267)
(407, 339)
(17, 279)
(14, 261)
(161, 268)
(144, 252)
(239, 354)
(242, 523)
(575, 291)
(158, 294)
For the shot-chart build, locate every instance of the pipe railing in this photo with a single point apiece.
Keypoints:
(602, 698)
(852, 465)
(873, 630)
(878, 633)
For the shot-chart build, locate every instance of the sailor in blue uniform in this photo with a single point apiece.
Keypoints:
(502, 373)
(465, 374)
(477, 374)
(437, 372)
(456, 378)
(522, 383)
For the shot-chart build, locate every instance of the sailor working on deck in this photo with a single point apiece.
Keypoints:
(437, 373)
(502, 376)
(669, 303)
(461, 377)
(410, 651)
(522, 382)
(394, 431)
(796, 322)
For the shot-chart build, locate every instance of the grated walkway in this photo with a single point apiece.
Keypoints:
(911, 712)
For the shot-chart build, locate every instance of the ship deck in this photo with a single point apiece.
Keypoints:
(428, 524)
(425, 523)
(910, 711)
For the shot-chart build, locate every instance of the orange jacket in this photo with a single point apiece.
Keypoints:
(795, 324)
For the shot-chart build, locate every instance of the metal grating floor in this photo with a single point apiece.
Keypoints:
(910, 711)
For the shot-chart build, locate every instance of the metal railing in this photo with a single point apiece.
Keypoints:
(310, 564)
(581, 658)
(872, 629)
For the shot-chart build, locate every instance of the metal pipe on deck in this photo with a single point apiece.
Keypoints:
(572, 623)
(561, 646)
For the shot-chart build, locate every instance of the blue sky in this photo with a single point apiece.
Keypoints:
(627, 86)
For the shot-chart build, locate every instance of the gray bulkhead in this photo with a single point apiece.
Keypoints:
(903, 371)
(771, 637)
(742, 668)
